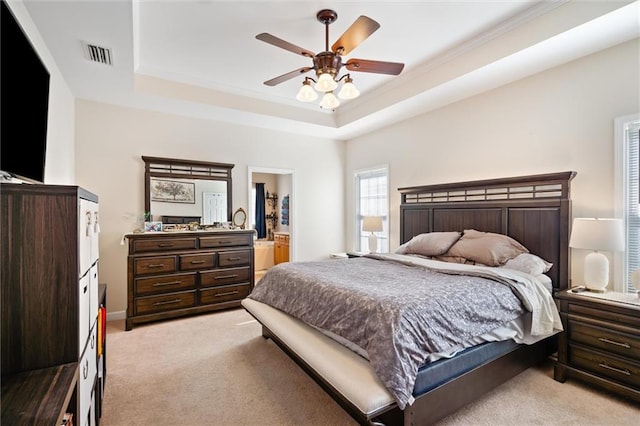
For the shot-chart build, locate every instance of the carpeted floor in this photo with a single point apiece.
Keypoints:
(216, 369)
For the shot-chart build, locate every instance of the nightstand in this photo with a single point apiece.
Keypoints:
(352, 254)
(600, 343)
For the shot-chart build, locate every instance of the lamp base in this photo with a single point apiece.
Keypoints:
(596, 272)
(373, 243)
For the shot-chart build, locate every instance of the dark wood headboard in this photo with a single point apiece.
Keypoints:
(534, 210)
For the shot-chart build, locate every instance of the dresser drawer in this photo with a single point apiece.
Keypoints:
(225, 276)
(164, 283)
(224, 294)
(155, 265)
(234, 258)
(605, 339)
(164, 244)
(167, 302)
(225, 241)
(618, 369)
(190, 262)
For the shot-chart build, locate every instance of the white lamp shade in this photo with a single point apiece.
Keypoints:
(372, 224)
(306, 94)
(597, 234)
(329, 101)
(348, 91)
(325, 83)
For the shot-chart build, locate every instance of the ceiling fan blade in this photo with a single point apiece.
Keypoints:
(287, 76)
(278, 42)
(362, 28)
(378, 67)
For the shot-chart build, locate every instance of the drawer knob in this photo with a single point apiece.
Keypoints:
(617, 370)
(155, 265)
(164, 284)
(222, 277)
(197, 262)
(228, 293)
(612, 342)
(234, 258)
(167, 302)
(165, 245)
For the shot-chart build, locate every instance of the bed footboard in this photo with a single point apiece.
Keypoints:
(347, 377)
(351, 382)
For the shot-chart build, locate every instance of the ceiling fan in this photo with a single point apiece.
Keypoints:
(327, 64)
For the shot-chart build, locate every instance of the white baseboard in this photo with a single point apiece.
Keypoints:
(119, 315)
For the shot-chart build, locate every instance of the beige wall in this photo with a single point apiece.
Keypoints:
(558, 120)
(110, 141)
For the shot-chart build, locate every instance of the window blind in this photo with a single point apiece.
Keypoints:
(632, 142)
(372, 199)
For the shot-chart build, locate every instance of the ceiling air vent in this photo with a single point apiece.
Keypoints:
(97, 53)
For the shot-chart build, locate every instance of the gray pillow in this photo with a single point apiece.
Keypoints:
(429, 244)
(486, 248)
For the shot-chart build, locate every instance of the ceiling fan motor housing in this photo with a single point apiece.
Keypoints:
(327, 62)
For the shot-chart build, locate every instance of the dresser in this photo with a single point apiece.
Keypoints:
(173, 274)
(600, 344)
(50, 303)
(280, 247)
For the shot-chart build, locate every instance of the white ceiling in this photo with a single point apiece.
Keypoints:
(201, 57)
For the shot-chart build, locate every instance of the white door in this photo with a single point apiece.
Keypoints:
(214, 207)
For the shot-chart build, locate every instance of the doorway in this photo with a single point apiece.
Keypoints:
(280, 204)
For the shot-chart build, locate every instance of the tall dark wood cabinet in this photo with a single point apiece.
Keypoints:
(49, 290)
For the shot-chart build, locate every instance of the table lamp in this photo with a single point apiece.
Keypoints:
(372, 224)
(597, 234)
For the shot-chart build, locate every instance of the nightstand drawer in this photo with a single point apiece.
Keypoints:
(606, 339)
(603, 315)
(613, 367)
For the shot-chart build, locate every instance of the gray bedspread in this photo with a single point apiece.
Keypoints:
(397, 310)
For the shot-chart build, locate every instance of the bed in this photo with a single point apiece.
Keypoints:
(533, 211)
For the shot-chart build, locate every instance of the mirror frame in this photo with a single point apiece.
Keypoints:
(236, 215)
(186, 169)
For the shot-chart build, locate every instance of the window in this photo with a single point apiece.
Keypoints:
(627, 140)
(372, 199)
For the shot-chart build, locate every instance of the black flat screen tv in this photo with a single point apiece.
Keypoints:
(24, 107)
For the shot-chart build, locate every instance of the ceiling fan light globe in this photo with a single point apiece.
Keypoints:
(348, 91)
(325, 83)
(306, 94)
(329, 101)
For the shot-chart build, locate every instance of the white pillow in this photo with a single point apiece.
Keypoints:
(528, 263)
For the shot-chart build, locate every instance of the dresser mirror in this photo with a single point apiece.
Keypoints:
(185, 191)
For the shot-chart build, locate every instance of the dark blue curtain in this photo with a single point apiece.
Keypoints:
(261, 221)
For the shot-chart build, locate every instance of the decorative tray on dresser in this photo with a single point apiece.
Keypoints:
(601, 341)
(173, 274)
